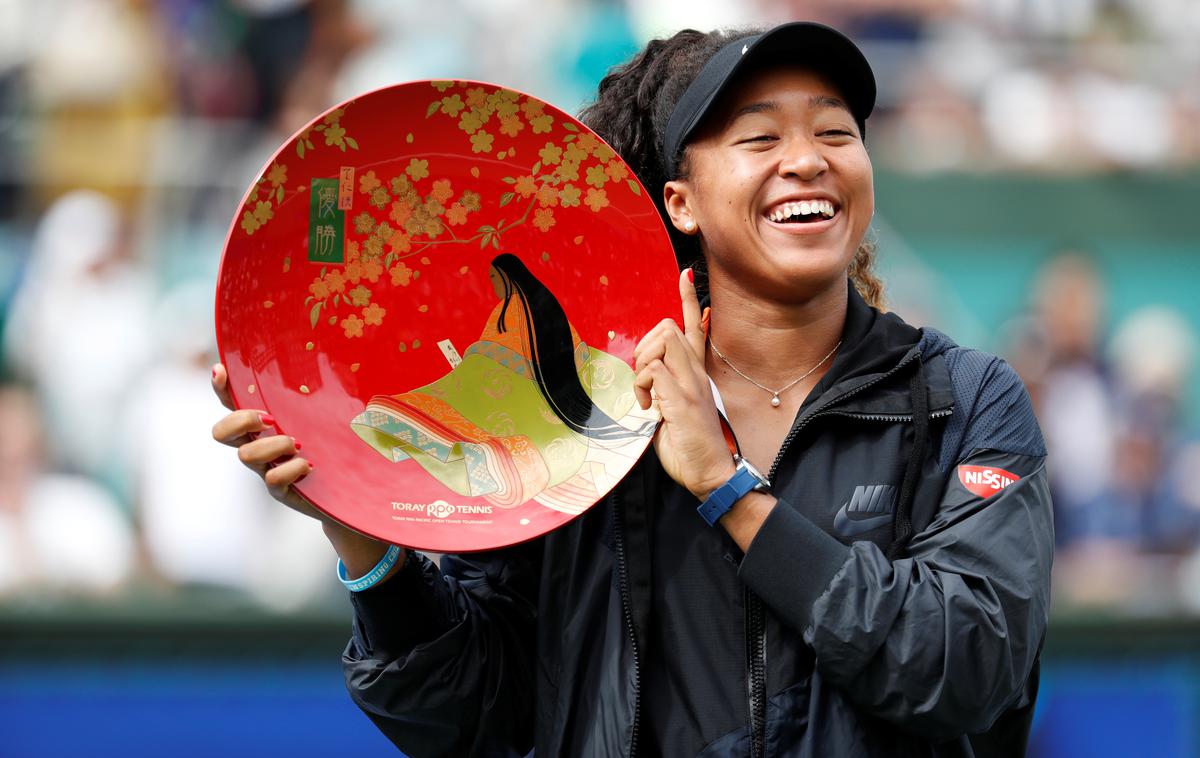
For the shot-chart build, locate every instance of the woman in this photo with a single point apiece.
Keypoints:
(555, 436)
(882, 591)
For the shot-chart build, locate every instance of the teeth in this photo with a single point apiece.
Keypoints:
(802, 208)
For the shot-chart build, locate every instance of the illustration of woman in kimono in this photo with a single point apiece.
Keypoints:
(531, 412)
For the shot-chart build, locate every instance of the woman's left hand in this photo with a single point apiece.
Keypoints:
(689, 443)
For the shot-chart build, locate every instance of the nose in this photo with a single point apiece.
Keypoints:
(802, 158)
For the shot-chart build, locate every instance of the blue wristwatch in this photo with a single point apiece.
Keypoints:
(745, 479)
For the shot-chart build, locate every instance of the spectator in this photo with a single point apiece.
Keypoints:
(59, 533)
(1152, 352)
(78, 329)
(1073, 397)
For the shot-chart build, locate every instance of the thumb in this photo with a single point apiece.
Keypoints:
(692, 329)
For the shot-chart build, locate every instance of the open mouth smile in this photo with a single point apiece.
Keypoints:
(802, 212)
(800, 216)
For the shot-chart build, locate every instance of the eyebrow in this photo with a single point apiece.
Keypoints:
(770, 106)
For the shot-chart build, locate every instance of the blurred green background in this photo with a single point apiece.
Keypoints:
(1037, 179)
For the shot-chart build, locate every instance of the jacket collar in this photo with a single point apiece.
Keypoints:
(877, 349)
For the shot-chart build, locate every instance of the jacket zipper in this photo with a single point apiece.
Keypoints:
(795, 431)
(627, 612)
(905, 417)
(756, 662)
(756, 638)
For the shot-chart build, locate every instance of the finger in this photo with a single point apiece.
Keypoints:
(643, 382)
(646, 345)
(652, 348)
(684, 365)
(643, 397)
(220, 385)
(257, 454)
(692, 329)
(657, 377)
(669, 347)
(283, 476)
(235, 428)
(665, 342)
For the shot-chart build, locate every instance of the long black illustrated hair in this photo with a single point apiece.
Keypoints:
(552, 352)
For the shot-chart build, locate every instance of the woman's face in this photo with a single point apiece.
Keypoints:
(497, 282)
(783, 141)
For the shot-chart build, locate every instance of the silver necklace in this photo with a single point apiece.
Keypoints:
(774, 393)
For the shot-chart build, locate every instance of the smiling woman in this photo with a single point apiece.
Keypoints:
(778, 145)
(865, 596)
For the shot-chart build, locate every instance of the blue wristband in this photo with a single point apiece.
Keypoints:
(372, 577)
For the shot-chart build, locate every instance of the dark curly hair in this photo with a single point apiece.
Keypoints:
(631, 110)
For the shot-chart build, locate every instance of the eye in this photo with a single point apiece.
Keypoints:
(757, 138)
(836, 133)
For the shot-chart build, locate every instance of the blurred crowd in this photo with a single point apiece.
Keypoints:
(130, 128)
(1122, 450)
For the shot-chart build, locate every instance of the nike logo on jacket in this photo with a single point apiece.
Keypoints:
(867, 499)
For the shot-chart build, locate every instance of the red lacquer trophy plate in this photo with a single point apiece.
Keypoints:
(437, 287)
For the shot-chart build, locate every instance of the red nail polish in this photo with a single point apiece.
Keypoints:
(296, 443)
(267, 419)
(691, 276)
(311, 465)
(214, 372)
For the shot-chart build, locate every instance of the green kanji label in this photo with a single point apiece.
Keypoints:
(326, 224)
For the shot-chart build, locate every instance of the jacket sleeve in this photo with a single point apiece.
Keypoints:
(442, 661)
(941, 641)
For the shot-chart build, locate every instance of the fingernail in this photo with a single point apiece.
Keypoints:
(691, 276)
(296, 443)
(214, 372)
(311, 465)
(267, 419)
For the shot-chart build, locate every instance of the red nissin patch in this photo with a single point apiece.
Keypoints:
(985, 481)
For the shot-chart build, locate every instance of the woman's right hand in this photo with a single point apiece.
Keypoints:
(275, 459)
(272, 457)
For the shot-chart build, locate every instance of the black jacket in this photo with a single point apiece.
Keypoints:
(894, 603)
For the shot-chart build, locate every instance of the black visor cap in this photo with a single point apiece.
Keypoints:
(802, 43)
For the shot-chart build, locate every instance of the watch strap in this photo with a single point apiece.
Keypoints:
(722, 499)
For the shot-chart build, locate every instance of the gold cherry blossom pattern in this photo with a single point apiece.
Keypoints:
(404, 215)
(360, 295)
(373, 314)
(331, 129)
(596, 199)
(543, 219)
(352, 325)
(253, 220)
(401, 275)
(258, 211)
(487, 115)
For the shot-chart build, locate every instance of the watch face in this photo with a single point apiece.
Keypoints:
(437, 287)
(764, 484)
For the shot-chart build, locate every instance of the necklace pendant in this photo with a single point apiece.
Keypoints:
(775, 400)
